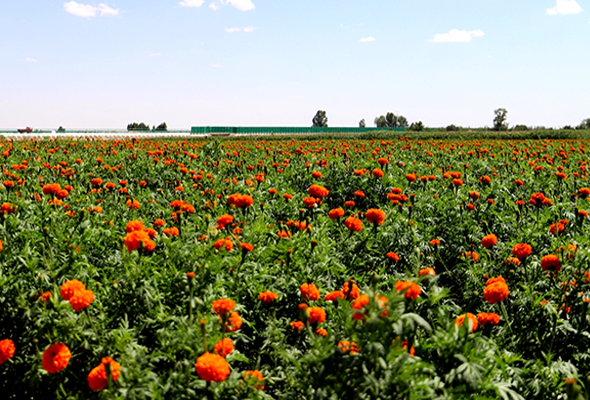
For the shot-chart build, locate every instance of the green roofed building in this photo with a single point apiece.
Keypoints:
(266, 130)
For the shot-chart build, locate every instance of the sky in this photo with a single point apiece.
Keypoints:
(103, 64)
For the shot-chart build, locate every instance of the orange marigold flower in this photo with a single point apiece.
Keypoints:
(375, 216)
(310, 202)
(82, 299)
(224, 347)
(255, 378)
(316, 174)
(268, 297)
(246, 247)
(45, 296)
(488, 318)
(96, 182)
(56, 357)
(378, 173)
(434, 242)
(551, 262)
(349, 293)
(316, 315)
(152, 233)
(297, 325)
(134, 225)
(411, 290)
(224, 220)
(132, 204)
(134, 239)
(234, 322)
(457, 182)
(472, 255)
(287, 196)
(336, 213)
(223, 306)
(472, 321)
(512, 260)
(348, 346)
(321, 332)
(427, 272)
(309, 291)
(171, 231)
(392, 256)
(359, 194)
(97, 378)
(522, 250)
(318, 191)
(334, 296)
(496, 290)
(349, 204)
(212, 367)
(71, 288)
(7, 350)
(353, 224)
(489, 240)
(51, 188)
(411, 177)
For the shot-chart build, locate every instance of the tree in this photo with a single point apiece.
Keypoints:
(362, 123)
(320, 120)
(380, 122)
(417, 126)
(161, 128)
(500, 119)
(585, 124)
(390, 120)
(61, 129)
(452, 128)
(134, 126)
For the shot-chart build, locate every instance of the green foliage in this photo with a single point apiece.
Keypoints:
(134, 126)
(320, 119)
(500, 116)
(155, 320)
(520, 128)
(585, 124)
(390, 120)
(417, 126)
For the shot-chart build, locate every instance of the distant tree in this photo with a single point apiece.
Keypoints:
(520, 128)
(362, 123)
(320, 120)
(500, 119)
(61, 129)
(417, 126)
(134, 126)
(380, 122)
(161, 128)
(585, 124)
(567, 127)
(452, 128)
(390, 120)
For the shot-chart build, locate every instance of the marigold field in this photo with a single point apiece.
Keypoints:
(295, 269)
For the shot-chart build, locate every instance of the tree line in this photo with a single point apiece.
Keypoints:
(142, 127)
(390, 120)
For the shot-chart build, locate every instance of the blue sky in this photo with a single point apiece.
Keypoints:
(105, 63)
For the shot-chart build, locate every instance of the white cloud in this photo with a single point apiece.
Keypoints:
(106, 10)
(455, 35)
(247, 29)
(367, 39)
(29, 59)
(242, 5)
(565, 7)
(191, 3)
(88, 11)
(214, 6)
(216, 65)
